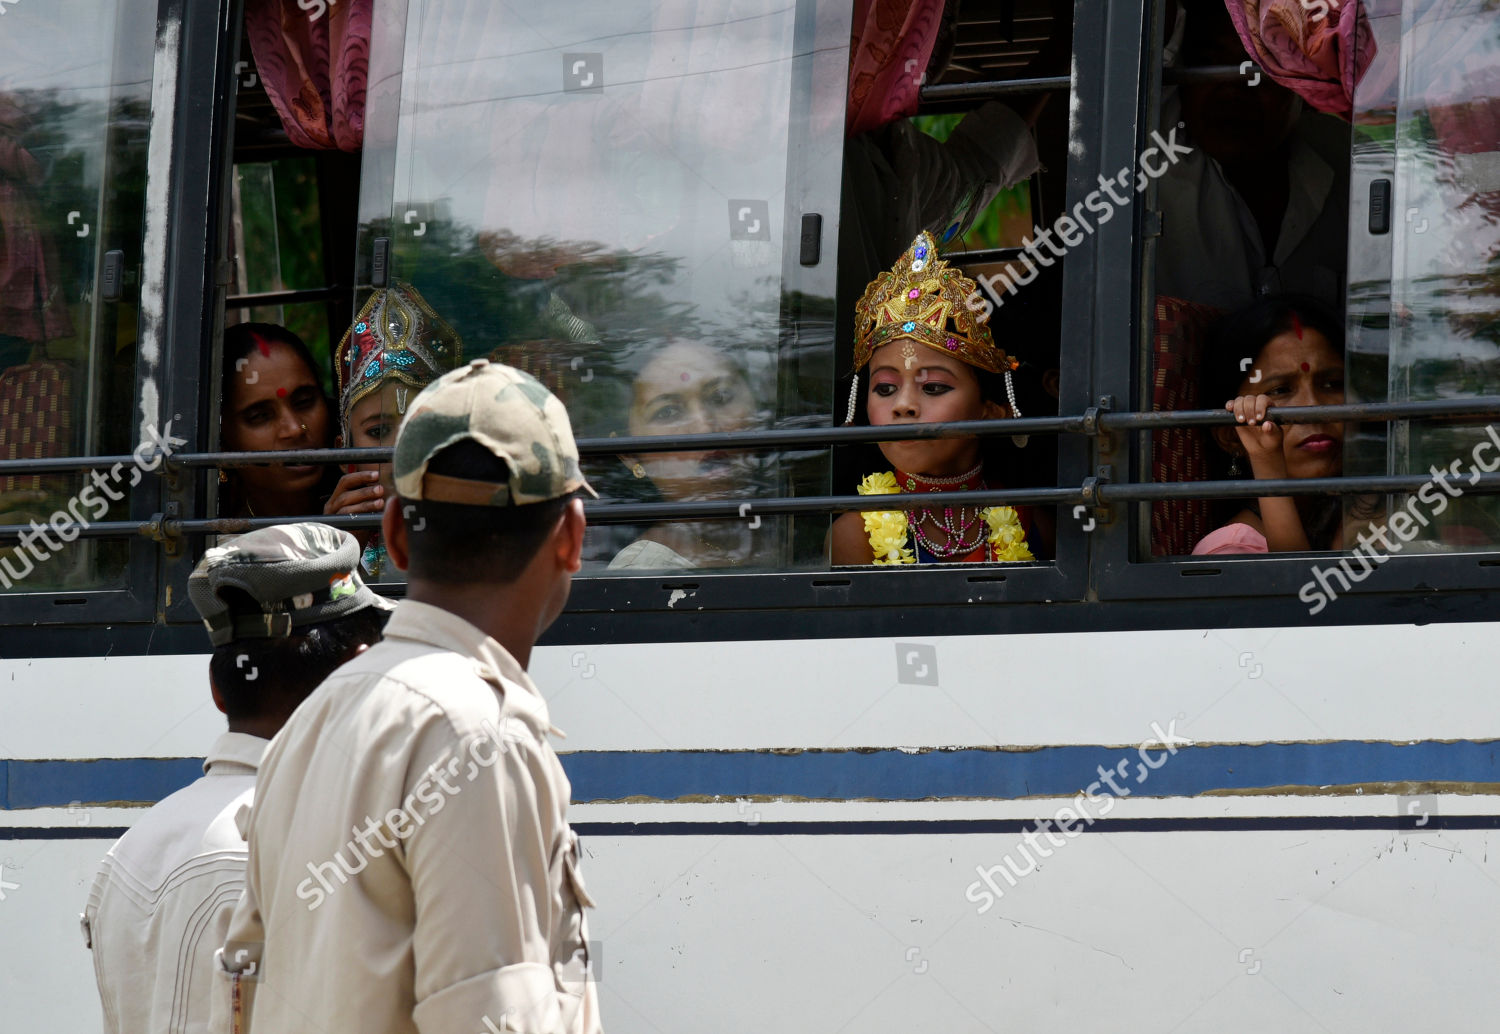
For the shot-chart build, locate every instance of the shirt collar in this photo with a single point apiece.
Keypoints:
(425, 623)
(235, 753)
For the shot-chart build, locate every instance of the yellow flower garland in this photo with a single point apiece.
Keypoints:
(888, 529)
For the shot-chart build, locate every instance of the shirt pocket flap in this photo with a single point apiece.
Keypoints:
(575, 877)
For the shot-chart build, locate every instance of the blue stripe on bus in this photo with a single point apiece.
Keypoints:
(890, 775)
(44, 784)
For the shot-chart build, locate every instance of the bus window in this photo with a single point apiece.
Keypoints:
(288, 239)
(1250, 181)
(985, 176)
(1423, 299)
(613, 196)
(75, 82)
(276, 233)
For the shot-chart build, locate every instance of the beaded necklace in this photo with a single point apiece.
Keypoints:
(963, 530)
(891, 530)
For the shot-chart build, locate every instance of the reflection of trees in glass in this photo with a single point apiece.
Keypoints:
(86, 157)
(283, 245)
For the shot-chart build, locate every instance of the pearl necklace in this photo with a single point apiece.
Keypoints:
(964, 531)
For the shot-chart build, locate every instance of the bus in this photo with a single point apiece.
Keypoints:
(1230, 792)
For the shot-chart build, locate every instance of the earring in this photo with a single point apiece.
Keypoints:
(1234, 465)
(223, 477)
(638, 470)
(1015, 410)
(853, 398)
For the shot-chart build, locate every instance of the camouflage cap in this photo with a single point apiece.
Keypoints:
(506, 411)
(298, 574)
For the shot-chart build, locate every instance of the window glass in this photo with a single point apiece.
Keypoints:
(278, 246)
(1249, 182)
(986, 179)
(1423, 299)
(75, 82)
(611, 195)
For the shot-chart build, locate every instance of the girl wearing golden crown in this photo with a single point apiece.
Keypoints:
(931, 359)
(395, 348)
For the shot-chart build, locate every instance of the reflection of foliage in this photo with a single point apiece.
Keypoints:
(92, 158)
(628, 301)
(283, 245)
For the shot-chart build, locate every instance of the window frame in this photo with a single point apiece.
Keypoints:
(163, 376)
(1120, 574)
(1112, 112)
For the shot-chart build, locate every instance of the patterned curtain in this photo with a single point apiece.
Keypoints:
(1318, 48)
(892, 43)
(314, 63)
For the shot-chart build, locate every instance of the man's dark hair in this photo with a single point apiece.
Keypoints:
(460, 544)
(257, 677)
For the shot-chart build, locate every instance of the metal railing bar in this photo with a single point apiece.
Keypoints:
(983, 91)
(819, 437)
(737, 508)
(1145, 492)
(1367, 411)
(1211, 74)
(253, 301)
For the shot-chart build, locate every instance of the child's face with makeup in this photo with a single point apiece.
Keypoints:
(373, 421)
(926, 388)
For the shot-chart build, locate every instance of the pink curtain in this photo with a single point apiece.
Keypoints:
(32, 307)
(892, 43)
(314, 66)
(1318, 48)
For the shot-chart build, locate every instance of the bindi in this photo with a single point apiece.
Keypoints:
(1305, 367)
(281, 393)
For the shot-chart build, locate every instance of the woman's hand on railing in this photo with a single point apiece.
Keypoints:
(1260, 438)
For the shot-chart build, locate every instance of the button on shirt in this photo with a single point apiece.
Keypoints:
(411, 866)
(161, 902)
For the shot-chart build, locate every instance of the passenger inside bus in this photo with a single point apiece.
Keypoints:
(957, 373)
(396, 346)
(1260, 205)
(687, 387)
(272, 400)
(1295, 348)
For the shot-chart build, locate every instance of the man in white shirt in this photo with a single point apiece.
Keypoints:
(284, 607)
(411, 866)
(1260, 205)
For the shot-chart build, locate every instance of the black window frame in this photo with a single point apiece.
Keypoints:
(1095, 580)
(1120, 573)
(180, 125)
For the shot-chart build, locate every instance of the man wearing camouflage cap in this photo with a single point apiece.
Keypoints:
(283, 606)
(411, 865)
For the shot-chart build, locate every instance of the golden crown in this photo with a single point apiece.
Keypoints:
(923, 299)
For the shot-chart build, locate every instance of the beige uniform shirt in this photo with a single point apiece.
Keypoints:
(411, 866)
(161, 901)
